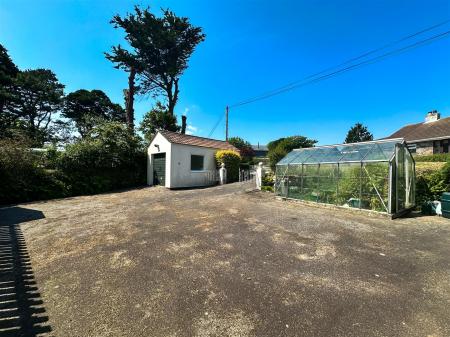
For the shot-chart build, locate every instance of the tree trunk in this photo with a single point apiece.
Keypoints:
(130, 99)
(172, 97)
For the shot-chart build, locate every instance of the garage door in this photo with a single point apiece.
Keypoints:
(159, 169)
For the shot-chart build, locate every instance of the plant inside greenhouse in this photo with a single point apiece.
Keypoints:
(375, 175)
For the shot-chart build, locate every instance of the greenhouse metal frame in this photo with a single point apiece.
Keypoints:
(376, 175)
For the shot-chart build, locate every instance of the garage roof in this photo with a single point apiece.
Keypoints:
(178, 138)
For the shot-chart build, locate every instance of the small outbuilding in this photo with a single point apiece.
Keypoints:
(377, 175)
(176, 160)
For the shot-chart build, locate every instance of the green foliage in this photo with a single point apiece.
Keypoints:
(8, 72)
(231, 159)
(267, 188)
(268, 179)
(160, 50)
(431, 183)
(22, 176)
(438, 157)
(158, 119)
(276, 155)
(244, 147)
(279, 148)
(86, 108)
(358, 133)
(39, 95)
(109, 157)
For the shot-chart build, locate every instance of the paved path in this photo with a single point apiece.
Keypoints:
(223, 262)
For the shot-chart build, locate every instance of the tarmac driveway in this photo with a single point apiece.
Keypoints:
(219, 262)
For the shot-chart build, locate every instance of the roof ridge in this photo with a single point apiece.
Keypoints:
(183, 134)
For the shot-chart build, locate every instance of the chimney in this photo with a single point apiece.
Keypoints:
(432, 116)
(183, 124)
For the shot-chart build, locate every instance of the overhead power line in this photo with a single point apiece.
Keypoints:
(373, 51)
(334, 73)
(216, 125)
(313, 78)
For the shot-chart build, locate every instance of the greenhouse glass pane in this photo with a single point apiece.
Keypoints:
(280, 180)
(301, 156)
(294, 180)
(409, 179)
(400, 178)
(375, 186)
(355, 152)
(349, 184)
(327, 183)
(324, 155)
(381, 151)
(309, 190)
(288, 158)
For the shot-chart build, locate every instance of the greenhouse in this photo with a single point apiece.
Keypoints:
(377, 175)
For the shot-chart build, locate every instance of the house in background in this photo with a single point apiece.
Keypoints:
(431, 136)
(260, 150)
(175, 160)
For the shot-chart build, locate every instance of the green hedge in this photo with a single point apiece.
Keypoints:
(431, 181)
(109, 158)
(22, 176)
(438, 157)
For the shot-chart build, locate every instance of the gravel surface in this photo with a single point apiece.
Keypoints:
(224, 261)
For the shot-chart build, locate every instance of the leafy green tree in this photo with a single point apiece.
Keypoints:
(161, 48)
(108, 157)
(244, 147)
(39, 96)
(8, 72)
(86, 108)
(231, 159)
(358, 133)
(156, 119)
(282, 146)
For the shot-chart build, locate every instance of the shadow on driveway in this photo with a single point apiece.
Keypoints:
(21, 310)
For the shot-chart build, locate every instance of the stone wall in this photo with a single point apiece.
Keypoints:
(424, 148)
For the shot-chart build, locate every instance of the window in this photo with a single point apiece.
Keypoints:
(196, 162)
(412, 148)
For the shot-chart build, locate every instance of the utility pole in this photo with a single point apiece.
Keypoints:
(226, 124)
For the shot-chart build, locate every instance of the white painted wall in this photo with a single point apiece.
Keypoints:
(164, 146)
(181, 174)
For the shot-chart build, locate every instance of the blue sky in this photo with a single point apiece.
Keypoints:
(252, 47)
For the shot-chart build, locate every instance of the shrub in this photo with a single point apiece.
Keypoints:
(438, 157)
(268, 179)
(109, 157)
(267, 188)
(431, 181)
(22, 176)
(231, 159)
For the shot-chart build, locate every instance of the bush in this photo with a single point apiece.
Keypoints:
(109, 157)
(438, 157)
(22, 176)
(431, 182)
(231, 159)
(267, 188)
(268, 179)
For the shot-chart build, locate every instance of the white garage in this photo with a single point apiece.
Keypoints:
(176, 160)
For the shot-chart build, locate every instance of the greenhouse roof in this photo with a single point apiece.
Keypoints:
(379, 150)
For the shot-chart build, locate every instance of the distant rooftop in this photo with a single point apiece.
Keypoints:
(433, 128)
(259, 147)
